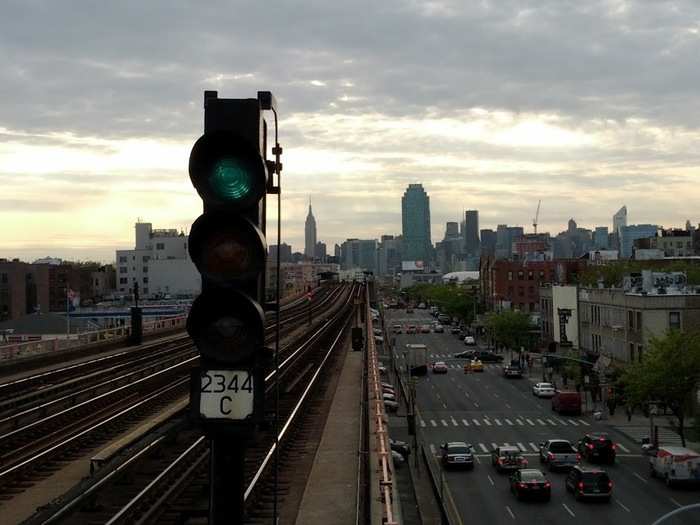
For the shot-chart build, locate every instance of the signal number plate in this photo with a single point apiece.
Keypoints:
(226, 394)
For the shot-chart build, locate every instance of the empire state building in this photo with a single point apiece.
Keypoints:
(310, 235)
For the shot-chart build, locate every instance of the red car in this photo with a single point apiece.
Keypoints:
(439, 367)
(530, 483)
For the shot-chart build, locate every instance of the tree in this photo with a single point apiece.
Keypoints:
(452, 300)
(510, 328)
(670, 374)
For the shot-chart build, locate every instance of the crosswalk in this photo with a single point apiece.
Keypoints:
(528, 449)
(513, 422)
(636, 433)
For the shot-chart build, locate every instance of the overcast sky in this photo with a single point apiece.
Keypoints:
(491, 105)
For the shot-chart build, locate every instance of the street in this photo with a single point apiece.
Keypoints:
(488, 410)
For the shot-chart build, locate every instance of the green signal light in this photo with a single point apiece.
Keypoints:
(231, 179)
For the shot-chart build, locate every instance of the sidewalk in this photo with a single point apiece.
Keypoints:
(636, 427)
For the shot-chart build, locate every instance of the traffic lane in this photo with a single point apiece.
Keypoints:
(637, 470)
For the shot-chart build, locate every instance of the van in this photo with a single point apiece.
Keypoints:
(567, 402)
(675, 465)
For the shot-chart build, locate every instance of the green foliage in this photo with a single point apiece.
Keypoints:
(670, 373)
(510, 328)
(451, 299)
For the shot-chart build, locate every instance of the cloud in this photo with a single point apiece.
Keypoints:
(586, 105)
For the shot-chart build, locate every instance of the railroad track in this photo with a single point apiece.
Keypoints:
(19, 395)
(176, 489)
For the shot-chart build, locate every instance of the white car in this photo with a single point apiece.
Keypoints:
(469, 340)
(543, 390)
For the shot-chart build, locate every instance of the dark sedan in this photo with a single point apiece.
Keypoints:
(530, 483)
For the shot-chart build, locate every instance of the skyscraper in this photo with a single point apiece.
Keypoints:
(310, 235)
(471, 233)
(619, 219)
(415, 221)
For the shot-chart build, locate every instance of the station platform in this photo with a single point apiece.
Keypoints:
(331, 491)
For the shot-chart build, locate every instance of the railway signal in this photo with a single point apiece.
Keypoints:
(229, 170)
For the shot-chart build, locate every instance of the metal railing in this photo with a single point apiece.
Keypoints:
(390, 511)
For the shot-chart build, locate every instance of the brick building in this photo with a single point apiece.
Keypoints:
(515, 284)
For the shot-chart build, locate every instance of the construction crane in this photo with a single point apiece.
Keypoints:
(537, 216)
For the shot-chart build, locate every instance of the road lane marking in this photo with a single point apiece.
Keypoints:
(454, 421)
(622, 505)
(476, 404)
(519, 422)
(529, 421)
(466, 423)
(583, 422)
(534, 447)
(572, 422)
(422, 423)
(521, 447)
(510, 512)
(640, 477)
(568, 510)
(444, 405)
(495, 395)
(507, 405)
(438, 396)
(675, 502)
(444, 423)
(623, 447)
(561, 421)
(466, 394)
(541, 422)
(509, 422)
(493, 446)
(504, 444)
(487, 422)
(551, 422)
(433, 450)
(483, 447)
(477, 459)
(497, 422)
(476, 422)
(491, 480)
(433, 423)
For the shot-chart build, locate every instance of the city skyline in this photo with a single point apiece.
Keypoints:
(97, 132)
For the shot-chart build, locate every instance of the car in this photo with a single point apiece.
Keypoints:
(476, 365)
(507, 459)
(543, 390)
(411, 329)
(597, 446)
(401, 447)
(386, 384)
(457, 454)
(388, 396)
(391, 406)
(398, 458)
(469, 340)
(455, 330)
(422, 306)
(489, 357)
(558, 453)
(438, 329)
(512, 371)
(467, 354)
(444, 319)
(382, 369)
(530, 483)
(377, 331)
(587, 482)
(439, 367)
(397, 328)
(378, 339)
(566, 402)
(409, 310)
(425, 329)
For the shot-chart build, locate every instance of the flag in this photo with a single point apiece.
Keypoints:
(73, 298)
